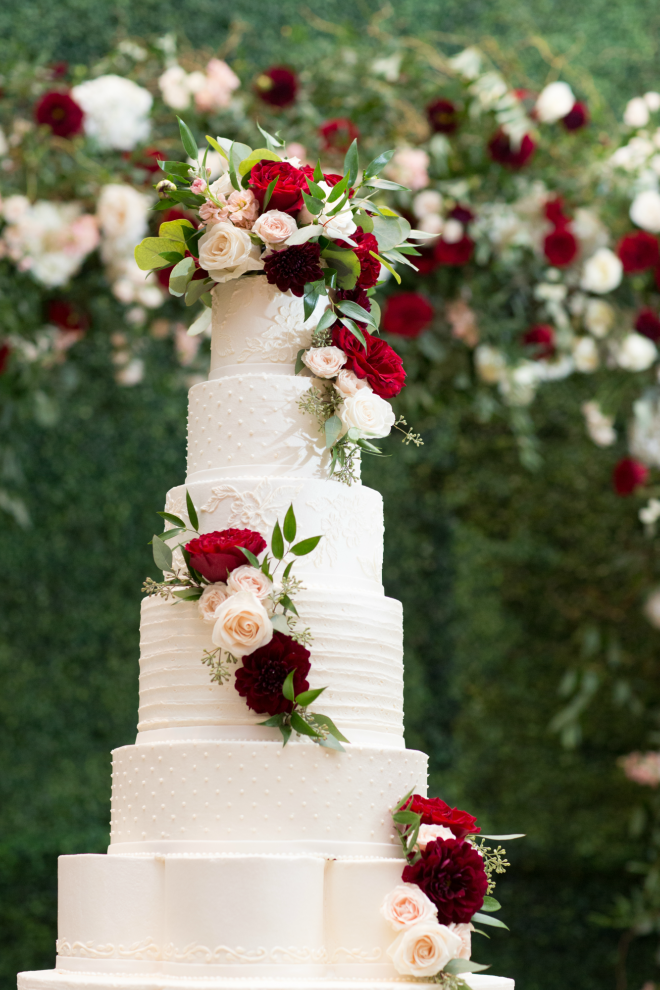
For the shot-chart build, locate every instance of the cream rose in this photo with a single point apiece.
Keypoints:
(227, 252)
(602, 271)
(348, 383)
(429, 833)
(554, 102)
(248, 578)
(212, 597)
(645, 210)
(490, 363)
(585, 354)
(599, 317)
(407, 905)
(274, 226)
(324, 362)
(636, 113)
(635, 352)
(424, 949)
(242, 624)
(367, 412)
(464, 932)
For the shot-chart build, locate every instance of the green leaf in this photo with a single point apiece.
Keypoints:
(301, 726)
(290, 526)
(176, 229)
(162, 554)
(201, 324)
(316, 190)
(287, 687)
(312, 293)
(277, 543)
(288, 605)
(181, 275)
(192, 512)
(404, 800)
(264, 567)
(169, 534)
(326, 721)
(386, 184)
(333, 428)
(457, 966)
(387, 265)
(197, 289)
(406, 818)
(287, 569)
(218, 147)
(181, 170)
(370, 448)
(486, 919)
(273, 721)
(330, 276)
(270, 138)
(395, 256)
(188, 141)
(490, 904)
(326, 321)
(173, 519)
(171, 257)
(188, 594)
(355, 330)
(330, 742)
(279, 623)
(315, 206)
(257, 156)
(351, 308)
(286, 733)
(390, 231)
(338, 190)
(378, 164)
(352, 163)
(269, 193)
(232, 168)
(318, 171)
(346, 263)
(504, 838)
(306, 546)
(375, 313)
(148, 252)
(300, 364)
(250, 556)
(307, 697)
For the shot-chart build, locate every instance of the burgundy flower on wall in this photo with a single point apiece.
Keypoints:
(576, 118)
(291, 183)
(379, 363)
(5, 351)
(435, 811)
(293, 267)
(277, 86)
(451, 874)
(502, 151)
(541, 340)
(263, 673)
(554, 212)
(458, 253)
(648, 324)
(628, 475)
(67, 316)
(638, 252)
(407, 314)
(59, 112)
(442, 116)
(560, 247)
(338, 134)
(216, 554)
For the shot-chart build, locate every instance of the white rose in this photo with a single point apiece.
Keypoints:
(174, 86)
(652, 101)
(429, 833)
(324, 362)
(406, 905)
(348, 383)
(635, 352)
(636, 113)
(554, 102)
(518, 386)
(452, 231)
(428, 201)
(599, 426)
(222, 186)
(424, 949)
(645, 210)
(464, 932)
(249, 578)
(367, 412)
(273, 227)
(227, 252)
(490, 363)
(116, 111)
(432, 223)
(15, 207)
(217, 86)
(599, 317)
(122, 215)
(585, 354)
(340, 225)
(602, 272)
(212, 597)
(242, 624)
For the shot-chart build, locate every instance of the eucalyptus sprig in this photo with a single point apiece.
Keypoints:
(319, 728)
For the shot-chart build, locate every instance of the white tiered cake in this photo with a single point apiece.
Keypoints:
(235, 862)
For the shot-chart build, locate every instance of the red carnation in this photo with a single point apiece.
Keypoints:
(59, 112)
(277, 86)
(214, 555)
(435, 811)
(291, 182)
(451, 874)
(5, 351)
(628, 475)
(379, 363)
(648, 324)
(338, 134)
(503, 152)
(442, 116)
(560, 247)
(67, 316)
(293, 267)
(542, 338)
(576, 118)
(407, 314)
(638, 251)
(263, 673)
(458, 253)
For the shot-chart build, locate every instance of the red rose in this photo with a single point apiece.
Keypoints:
(150, 158)
(214, 555)
(628, 475)
(648, 324)
(638, 252)
(435, 811)
(67, 316)
(503, 152)
(338, 134)
(277, 86)
(576, 118)
(263, 673)
(379, 364)
(451, 874)
(554, 212)
(291, 183)
(407, 314)
(293, 267)
(59, 112)
(542, 338)
(560, 247)
(442, 116)
(458, 253)
(5, 351)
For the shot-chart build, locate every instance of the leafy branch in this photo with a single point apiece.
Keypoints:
(319, 728)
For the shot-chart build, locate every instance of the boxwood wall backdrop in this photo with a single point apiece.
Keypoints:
(496, 566)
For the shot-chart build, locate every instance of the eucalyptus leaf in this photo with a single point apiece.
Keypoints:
(504, 838)
(333, 428)
(257, 156)
(188, 594)
(487, 919)
(390, 231)
(195, 290)
(457, 966)
(305, 698)
(201, 324)
(277, 542)
(192, 511)
(387, 265)
(176, 229)
(386, 184)
(279, 623)
(490, 904)
(346, 263)
(350, 308)
(288, 605)
(188, 141)
(172, 258)
(352, 163)
(290, 526)
(395, 256)
(181, 275)
(355, 330)
(301, 726)
(306, 546)
(327, 722)
(162, 554)
(327, 319)
(148, 252)
(172, 518)
(287, 687)
(270, 138)
(304, 234)
(330, 742)
(300, 364)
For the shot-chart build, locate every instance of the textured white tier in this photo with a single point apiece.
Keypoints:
(259, 796)
(57, 979)
(350, 555)
(356, 653)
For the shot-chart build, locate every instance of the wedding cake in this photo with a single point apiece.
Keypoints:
(235, 861)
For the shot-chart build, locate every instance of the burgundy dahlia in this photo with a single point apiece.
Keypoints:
(628, 475)
(293, 267)
(435, 811)
(291, 183)
(451, 874)
(560, 247)
(338, 134)
(504, 153)
(59, 112)
(638, 252)
(442, 116)
(263, 673)
(458, 253)
(407, 314)
(216, 554)
(648, 324)
(542, 339)
(576, 118)
(379, 363)
(277, 86)
(356, 295)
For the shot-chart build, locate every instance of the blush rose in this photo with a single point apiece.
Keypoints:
(226, 252)
(407, 905)
(241, 625)
(424, 949)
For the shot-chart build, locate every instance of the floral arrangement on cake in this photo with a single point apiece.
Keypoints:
(252, 612)
(447, 885)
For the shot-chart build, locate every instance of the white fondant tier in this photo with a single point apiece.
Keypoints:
(356, 653)
(231, 795)
(350, 521)
(58, 979)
